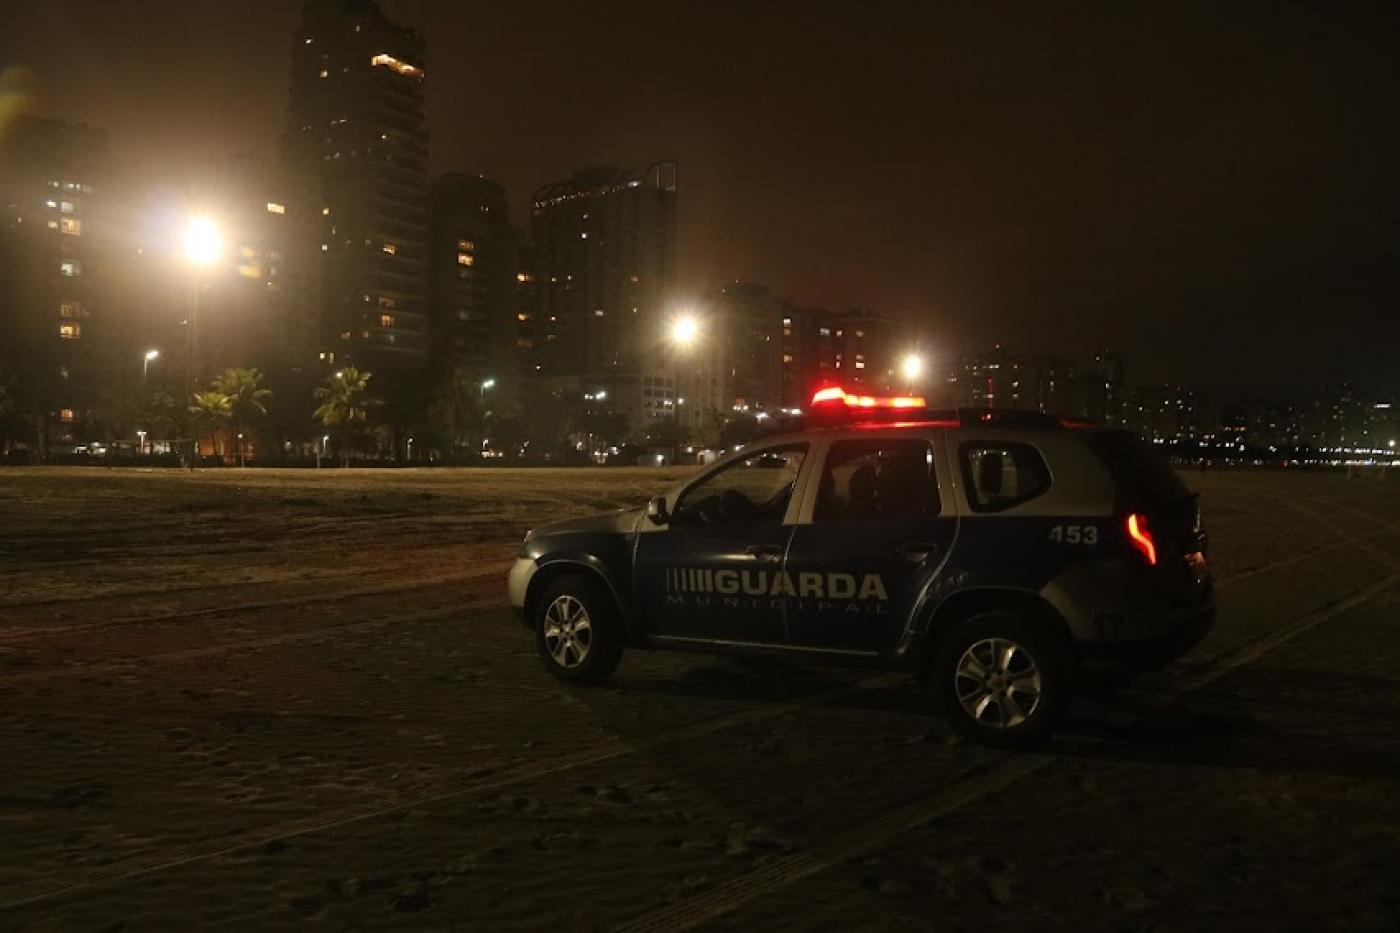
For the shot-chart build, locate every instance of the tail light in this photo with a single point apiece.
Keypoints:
(1141, 538)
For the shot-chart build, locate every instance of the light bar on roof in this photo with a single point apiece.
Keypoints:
(829, 396)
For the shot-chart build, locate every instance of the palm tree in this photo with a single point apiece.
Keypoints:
(456, 411)
(210, 408)
(247, 400)
(345, 401)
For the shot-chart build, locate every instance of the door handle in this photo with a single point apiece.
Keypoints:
(765, 553)
(917, 550)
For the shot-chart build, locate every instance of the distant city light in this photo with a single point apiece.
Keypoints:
(152, 354)
(204, 244)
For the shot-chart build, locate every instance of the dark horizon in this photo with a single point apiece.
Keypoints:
(1207, 191)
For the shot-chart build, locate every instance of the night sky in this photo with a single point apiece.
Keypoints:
(1212, 189)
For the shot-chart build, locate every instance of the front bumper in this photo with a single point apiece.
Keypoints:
(518, 583)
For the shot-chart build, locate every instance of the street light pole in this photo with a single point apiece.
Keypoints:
(685, 331)
(204, 246)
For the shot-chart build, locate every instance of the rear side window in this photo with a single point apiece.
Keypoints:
(877, 479)
(1137, 466)
(1000, 475)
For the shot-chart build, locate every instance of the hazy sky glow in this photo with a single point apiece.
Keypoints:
(1210, 189)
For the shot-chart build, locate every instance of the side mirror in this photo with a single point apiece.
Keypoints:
(656, 511)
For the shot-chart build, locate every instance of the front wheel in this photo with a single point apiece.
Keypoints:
(578, 630)
(1004, 681)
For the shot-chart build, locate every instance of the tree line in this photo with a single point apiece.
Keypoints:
(238, 415)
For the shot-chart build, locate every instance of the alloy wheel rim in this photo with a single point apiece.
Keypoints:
(568, 632)
(998, 683)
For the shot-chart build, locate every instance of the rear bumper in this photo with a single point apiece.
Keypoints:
(1165, 638)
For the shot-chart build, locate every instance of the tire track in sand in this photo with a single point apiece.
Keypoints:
(494, 566)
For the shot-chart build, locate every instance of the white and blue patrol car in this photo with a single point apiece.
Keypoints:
(989, 552)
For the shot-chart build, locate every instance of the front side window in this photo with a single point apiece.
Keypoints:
(878, 479)
(753, 489)
(1000, 475)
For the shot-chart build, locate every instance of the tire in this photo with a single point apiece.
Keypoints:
(1007, 699)
(578, 630)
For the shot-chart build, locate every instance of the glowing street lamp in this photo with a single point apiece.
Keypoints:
(685, 330)
(146, 362)
(486, 384)
(204, 244)
(912, 367)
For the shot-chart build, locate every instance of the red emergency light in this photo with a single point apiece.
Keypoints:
(829, 397)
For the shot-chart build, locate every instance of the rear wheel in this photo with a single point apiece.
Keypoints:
(578, 630)
(1004, 681)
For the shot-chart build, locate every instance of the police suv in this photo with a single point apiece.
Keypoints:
(989, 552)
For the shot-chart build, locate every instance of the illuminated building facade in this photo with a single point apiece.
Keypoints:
(735, 364)
(357, 124)
(605, 268)
(808, 353)
(57, 330)
(474, 261)
(1162, 414)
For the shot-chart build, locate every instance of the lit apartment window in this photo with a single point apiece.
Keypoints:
(466, 246)
(325, 212)
(70, 268)
(465, 259)
(523, 277)
(390, 248)
(386, 320)
(71, 226)
(52, 224)
(383, 60)
(860, 364)
(66, 207)
(325, 73)
(787, 357)
(386, 302)
(274, 208)
(68, 310)
(522, 316)
(65, 414)
(70, 331)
